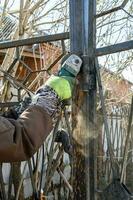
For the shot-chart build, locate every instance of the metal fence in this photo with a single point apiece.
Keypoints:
(118, 118)
(48, 174)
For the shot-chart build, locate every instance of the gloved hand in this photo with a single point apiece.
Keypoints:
(58, 88)
(63, 137)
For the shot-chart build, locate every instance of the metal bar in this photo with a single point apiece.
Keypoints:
(78, 171)
(65, 179)
(12, 65)
(53, 168)
(114, 48)
(32, 181)
(42, 171)
(82, 41)
(99, 51)
(34, 40)
(10, 182)
(108, 11)
(90, 99)
(75, 26)
(21, 182)
(51, 153)
(63, 46)
(3, 192)
(25, 65)
(127, 142)
(112, 9)
(55, 62)
(110, 147)
(26, 78)
(14, 82)
(9, 104)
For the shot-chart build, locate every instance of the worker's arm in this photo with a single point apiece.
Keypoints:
(20, 139)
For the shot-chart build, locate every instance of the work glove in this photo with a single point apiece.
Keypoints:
(58, 88)
(63, 137)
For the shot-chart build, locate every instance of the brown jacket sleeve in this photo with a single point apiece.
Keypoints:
(20, 139)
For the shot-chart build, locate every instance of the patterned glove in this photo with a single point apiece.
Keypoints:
(58, 88)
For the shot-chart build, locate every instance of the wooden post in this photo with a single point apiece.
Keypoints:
(82, 40)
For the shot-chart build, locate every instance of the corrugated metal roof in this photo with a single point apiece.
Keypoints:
(8, 26)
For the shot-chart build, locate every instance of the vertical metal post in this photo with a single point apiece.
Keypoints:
(76, 22)
(83, 43)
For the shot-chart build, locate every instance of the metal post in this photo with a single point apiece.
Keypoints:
(82, 40)
(76, 11)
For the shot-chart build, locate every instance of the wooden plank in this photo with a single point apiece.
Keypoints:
(25, 53)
